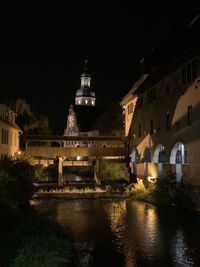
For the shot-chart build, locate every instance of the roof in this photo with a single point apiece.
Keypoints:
(170, 65)
(85, 91)
(171, 56)
(127, 97)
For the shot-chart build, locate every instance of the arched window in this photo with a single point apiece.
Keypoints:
(135, 156)
(161, 156)
(146, 156)
(178, 157)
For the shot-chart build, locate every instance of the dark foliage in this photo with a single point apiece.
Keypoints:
(16, 185)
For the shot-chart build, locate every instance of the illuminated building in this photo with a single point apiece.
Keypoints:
(165, 122)
(9, 132)
(82, 113)
(84, 95)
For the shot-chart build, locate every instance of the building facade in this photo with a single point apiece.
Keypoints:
(164, 132)
(9, 132)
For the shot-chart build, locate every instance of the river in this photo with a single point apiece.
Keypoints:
(110, 232)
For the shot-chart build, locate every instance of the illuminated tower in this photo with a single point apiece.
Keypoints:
(71, 128)
(85, 96)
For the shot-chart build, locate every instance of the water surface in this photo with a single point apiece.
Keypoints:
(127, 233)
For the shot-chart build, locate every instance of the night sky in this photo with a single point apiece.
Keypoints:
(43, 48)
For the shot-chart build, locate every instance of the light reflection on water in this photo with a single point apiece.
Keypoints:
(127, 233)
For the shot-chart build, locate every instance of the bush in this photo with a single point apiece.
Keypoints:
(139, 192)
(166, 191)
(16, 185)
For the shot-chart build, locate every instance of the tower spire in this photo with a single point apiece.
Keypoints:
(85, 96)
(86, 64)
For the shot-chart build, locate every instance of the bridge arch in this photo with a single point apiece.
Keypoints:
(179, 156)
(159, 158)
(146, 159)
(134, 161)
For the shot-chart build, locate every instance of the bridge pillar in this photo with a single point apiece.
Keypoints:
(60, 171)
(96, 171)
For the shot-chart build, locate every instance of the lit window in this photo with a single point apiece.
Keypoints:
(92, 102)
(79, 101)
(86, 101)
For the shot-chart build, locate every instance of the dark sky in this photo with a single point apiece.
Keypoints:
(43, 48)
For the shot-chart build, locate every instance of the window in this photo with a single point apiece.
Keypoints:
(167, 90)
(151, 127)
(186, 157)
(139, 130)
(151, 95)
(4, 136)
(130, 108)
(140, 102)
(167, 121)
(189, 72)
(189, 115)
(183, 76)
(178, 157)
(86, 101)
(177, 124)
(194, 69)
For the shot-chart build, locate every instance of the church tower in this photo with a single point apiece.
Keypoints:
(72, 128)
(84, 95)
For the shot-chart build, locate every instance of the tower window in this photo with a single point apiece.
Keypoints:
(86, 101)
(92, 102)
(79, 102)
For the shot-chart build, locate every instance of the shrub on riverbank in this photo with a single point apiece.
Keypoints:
(138, 191)
(26, 237)
(16, 187)
(163, 193)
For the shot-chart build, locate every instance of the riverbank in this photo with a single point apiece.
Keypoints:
(28, 238)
